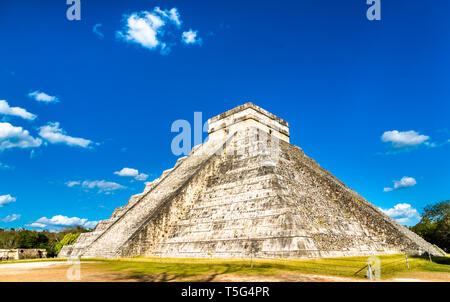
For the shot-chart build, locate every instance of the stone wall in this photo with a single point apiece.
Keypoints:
(247, 192)
(247, 116)
(9, 254)
(340, 221)
(17, 254)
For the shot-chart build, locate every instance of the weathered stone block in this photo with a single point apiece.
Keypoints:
(247, 192)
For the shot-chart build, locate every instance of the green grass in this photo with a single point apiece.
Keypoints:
(166, 269)
(32, 260)
(194, 269)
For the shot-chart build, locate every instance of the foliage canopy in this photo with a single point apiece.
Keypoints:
(28, 239)
(434, 226)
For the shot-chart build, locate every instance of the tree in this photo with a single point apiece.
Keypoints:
(27, 239)
(69, 239)
(434, 226)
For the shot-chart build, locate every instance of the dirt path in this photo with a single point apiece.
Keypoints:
(422, 277)
(288, 277)
(55, 272)
(29, 265)
(59, 271)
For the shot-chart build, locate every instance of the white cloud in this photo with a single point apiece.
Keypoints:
(62, 221)
(142, 28)
(36, 225)
(155, 29)
(403, 213)
(96, 30)
(130, 172)
(72, 183)
(405, 182)
(439, 144)
(5, 166)
(173, 15)
(127, 172)
(15, 111)
(5, 199)
(10, 218)
(11, 136)
(141, 176)
(101, 185)
(190, 37)
(90, 224)
(55, 135)
(403, 139)
(43, 97)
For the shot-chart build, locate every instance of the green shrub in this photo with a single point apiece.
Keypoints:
(69, 239)
(435, 224)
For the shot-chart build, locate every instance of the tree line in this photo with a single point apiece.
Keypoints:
(49, 240)
(434, 226)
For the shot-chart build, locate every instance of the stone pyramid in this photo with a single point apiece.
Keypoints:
(247, 192)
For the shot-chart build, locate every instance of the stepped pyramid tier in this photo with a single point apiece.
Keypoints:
(247, 192)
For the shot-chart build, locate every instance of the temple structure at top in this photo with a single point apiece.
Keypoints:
(247, 116)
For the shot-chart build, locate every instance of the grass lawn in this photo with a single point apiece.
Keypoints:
(32, 260)
(213, 269)
(192, 269)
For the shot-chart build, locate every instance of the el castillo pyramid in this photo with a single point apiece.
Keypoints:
(247, 192)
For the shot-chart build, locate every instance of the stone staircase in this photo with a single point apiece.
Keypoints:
(239, 212)
(111, 236)
(86, 239)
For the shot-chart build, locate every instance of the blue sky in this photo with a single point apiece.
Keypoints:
(81, 100)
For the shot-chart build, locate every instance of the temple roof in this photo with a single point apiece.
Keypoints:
(246, 106)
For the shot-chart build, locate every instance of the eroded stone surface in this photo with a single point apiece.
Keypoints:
(247, 192)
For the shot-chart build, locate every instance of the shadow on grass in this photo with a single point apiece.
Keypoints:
(177, 274)
(186, 269)
(436, 259)
(441, 260)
